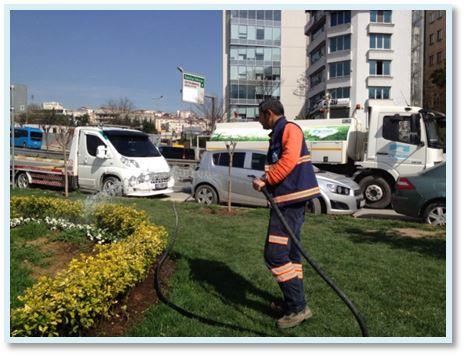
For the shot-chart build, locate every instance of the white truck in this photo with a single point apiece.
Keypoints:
(374, 147)
(113, 160)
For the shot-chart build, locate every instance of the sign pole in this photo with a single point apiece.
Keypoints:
(12, 127)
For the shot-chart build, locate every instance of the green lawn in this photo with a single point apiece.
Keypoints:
(397, 282)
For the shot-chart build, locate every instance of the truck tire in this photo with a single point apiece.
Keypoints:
(376, 191)
(22, 180)
(315, 207)
(112, 186)
(435, 214)
(206, 194)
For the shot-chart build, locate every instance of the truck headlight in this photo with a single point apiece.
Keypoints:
(130, 163)
(338, 189)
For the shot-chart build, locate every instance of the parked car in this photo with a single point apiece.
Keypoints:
(177, 152)
(339, 194)
(423, 195)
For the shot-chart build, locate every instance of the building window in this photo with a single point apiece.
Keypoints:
(439, 35)
(277, 15)
(260, 14)
(382, 16)
(269, 15)
(276, 34)
(339, 93)
(316, 78)
(380, 41)
(431, 39)
(318, 53)
(440, 14)
(438, 57)
(432, 16)
(379, 92)
(340, 17)
(431, 60)
(339, 43)
(242, 32)
(260, 33)
(380, 67)
(316, 98)
(317, 32)
(339, 69)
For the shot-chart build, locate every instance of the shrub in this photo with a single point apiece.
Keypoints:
(40, 207)
(83, 293)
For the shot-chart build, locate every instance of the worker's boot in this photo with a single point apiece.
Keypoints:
(294, 319)
(278, 307)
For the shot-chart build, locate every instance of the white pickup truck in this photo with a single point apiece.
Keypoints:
(374, 147)
(112, 160)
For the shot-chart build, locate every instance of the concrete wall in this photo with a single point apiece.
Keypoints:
(293, 60)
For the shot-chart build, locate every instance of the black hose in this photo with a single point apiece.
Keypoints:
(180, 310)
(312, 262)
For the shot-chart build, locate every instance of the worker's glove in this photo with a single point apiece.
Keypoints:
(258, 184)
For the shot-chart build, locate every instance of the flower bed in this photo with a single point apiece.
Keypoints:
(84, 292)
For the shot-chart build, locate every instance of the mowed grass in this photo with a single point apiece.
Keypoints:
(397, 281)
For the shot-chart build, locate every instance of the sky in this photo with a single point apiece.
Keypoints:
(86, 58)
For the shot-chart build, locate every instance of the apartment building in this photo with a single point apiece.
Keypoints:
(359, 57)
(263, 56)
(434, 84)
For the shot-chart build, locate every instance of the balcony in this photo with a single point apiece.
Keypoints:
(380, 54)
(379, 81)
(315, 21)
(380, 27)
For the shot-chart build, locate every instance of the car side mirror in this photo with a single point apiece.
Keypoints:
(101, 152)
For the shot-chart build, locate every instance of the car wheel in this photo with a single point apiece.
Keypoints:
(22, 181)
(206, 194)
(112, 186)
(315, 206)
(377, 192)
(435, 214)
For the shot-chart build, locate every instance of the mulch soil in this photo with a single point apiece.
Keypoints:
(139, 300)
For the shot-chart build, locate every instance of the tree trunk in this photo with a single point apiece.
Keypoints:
(66, 170)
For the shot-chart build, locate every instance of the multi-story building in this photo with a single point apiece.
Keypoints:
(418, 56)
(434, 84)
(263, 56)
(361, 58)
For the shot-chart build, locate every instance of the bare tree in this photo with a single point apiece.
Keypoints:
(64, 137)
(211, 110)
(119, 106)
(303, 85)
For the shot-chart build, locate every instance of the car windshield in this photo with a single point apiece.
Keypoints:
(132, 144)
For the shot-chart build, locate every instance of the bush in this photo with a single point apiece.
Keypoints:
(77, 297)
(40, 207)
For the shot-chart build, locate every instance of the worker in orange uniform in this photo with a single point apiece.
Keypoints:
(290, 179)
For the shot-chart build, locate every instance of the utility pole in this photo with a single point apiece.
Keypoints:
(328, 105)
(12, 128)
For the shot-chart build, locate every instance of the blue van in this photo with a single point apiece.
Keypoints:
(28, 137)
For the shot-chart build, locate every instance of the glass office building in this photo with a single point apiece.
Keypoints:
(253, 49)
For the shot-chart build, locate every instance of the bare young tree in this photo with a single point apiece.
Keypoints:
(303, 85)
(119, 106)
(211, 110)
(64, 137)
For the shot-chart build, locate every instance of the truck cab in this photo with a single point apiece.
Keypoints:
(399, 141)
(118, 161)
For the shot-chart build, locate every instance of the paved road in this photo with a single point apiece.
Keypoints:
(182, 192)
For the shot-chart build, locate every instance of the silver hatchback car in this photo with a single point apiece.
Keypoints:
(339, 194)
